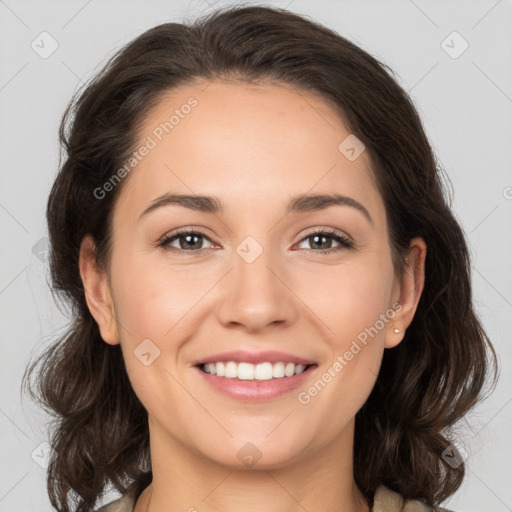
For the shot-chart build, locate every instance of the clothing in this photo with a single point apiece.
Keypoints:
(385, 500)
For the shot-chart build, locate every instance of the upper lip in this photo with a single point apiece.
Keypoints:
(241, 356)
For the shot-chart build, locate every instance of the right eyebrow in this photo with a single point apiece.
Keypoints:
(207, 204)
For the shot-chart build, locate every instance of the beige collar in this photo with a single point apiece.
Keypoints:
(386, 500)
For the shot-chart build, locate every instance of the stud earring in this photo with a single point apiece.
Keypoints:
(397, 330)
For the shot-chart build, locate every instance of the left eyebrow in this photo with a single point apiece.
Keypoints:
(298, 204)
(310, 203)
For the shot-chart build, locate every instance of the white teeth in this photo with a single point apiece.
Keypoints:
(220, 369)
(245, 371)
(299, 368)
(289, 369)
(231, 370)
(278, 370)
(263, 371)
(248, 371)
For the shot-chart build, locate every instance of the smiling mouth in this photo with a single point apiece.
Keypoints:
(249, 371)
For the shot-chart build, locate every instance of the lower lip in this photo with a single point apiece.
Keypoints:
(256, 390)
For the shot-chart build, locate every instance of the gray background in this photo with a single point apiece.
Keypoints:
(466, 105)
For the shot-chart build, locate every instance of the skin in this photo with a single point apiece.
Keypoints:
(254, 147)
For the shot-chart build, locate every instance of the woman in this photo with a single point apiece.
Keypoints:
(271, 297)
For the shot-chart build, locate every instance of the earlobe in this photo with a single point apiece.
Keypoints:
(410, 290)
(97, 292)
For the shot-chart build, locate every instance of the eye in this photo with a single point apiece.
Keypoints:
(323, 240)
(187, 240)
(191, 241)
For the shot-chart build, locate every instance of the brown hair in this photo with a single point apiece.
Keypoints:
(425, 385)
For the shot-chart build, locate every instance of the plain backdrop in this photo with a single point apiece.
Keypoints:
(455, 59)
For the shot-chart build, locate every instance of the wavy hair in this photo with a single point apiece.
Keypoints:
(426, 384)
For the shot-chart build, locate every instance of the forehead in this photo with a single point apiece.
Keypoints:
(246, 143)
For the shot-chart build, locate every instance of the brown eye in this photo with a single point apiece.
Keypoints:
(322, 242)
(187, 241)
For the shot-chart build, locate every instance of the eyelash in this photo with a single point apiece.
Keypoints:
(345, 242)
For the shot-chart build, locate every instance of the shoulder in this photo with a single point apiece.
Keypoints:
(386, 500)
(125, 503)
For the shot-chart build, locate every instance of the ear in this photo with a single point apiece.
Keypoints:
(408, 293)
(97, 292)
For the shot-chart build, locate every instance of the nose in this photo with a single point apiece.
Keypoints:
(256, 295)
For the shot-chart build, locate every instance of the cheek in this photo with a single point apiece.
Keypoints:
(152, 298)
(351, 298)
(355, 303)
(347, 375)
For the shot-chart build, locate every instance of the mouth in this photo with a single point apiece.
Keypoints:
(246, 377)
(246, 371)
(254, 376)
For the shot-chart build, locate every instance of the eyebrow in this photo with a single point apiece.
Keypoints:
(298, 204)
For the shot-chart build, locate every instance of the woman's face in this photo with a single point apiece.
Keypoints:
(258, 279)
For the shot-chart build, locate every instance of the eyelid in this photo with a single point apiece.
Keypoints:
(164, 240)
(344, 240)
(327, 231)
(310, 231)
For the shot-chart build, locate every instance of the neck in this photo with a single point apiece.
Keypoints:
(185, 480)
